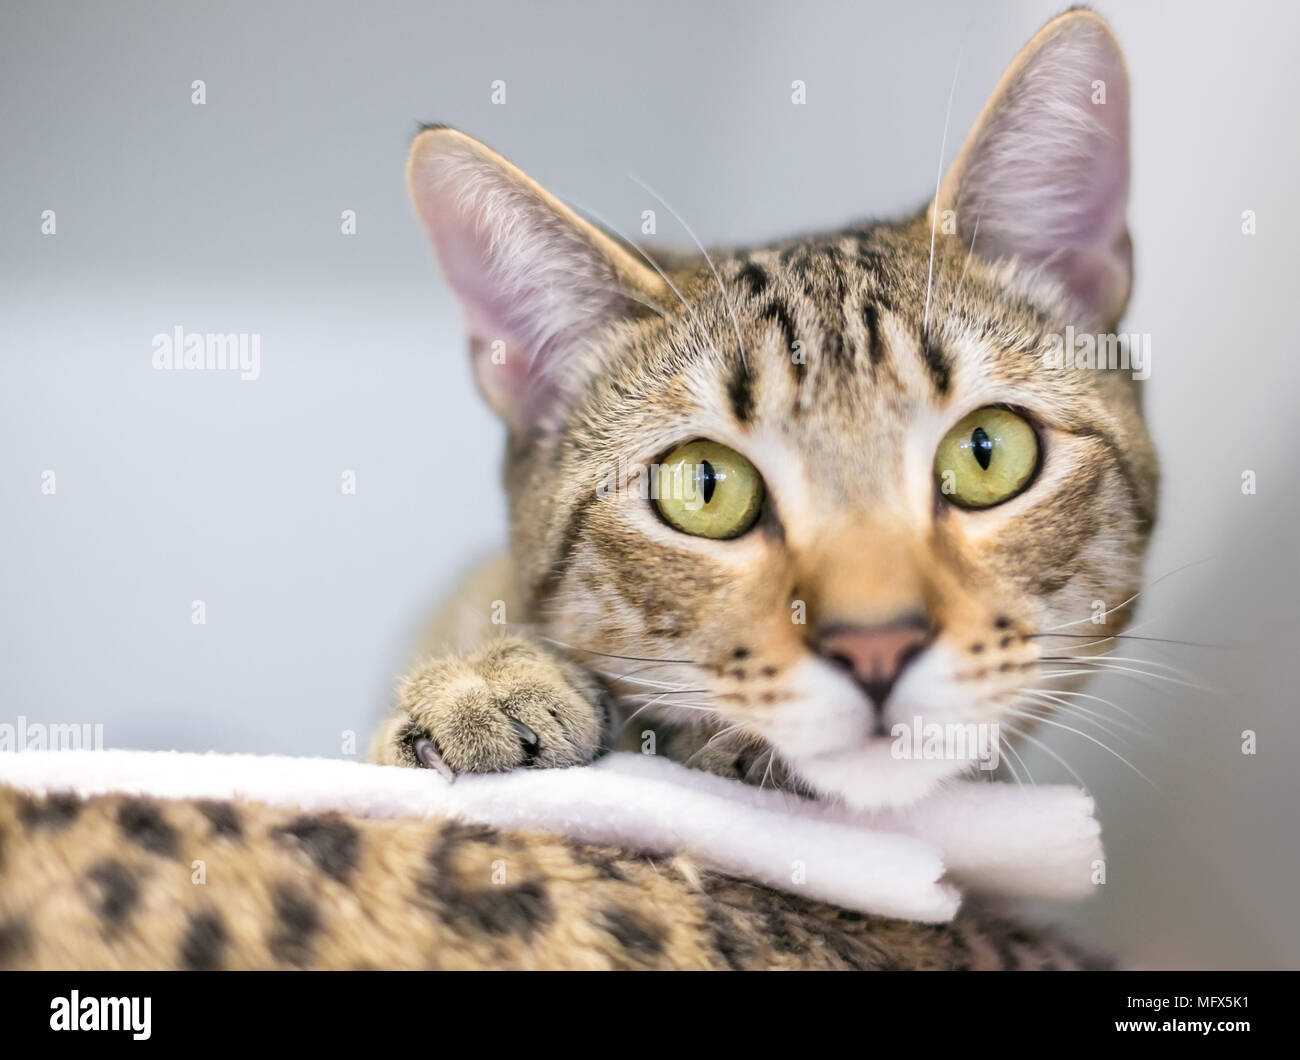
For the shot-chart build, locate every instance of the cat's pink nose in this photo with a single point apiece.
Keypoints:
(875, 655)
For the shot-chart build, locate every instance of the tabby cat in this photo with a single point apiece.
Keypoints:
(768, 505)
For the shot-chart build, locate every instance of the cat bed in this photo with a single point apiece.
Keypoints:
(133, 833)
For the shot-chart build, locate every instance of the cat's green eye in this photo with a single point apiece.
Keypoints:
(708, 490)
(988, 458)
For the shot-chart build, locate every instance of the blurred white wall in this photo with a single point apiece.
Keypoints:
(176, 487)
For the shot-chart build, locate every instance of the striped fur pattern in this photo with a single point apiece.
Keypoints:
(845, 441)
(835, 364)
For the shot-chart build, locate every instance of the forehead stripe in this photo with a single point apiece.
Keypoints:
(936, 362)
(754, 278)
(875, 347)
(777, 314)
(740, 391)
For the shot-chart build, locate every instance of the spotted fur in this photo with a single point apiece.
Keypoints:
(835, 363)
(244, 886)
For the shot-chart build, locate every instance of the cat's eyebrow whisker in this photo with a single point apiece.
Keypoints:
(938, 183)
(1051, 259)
(716, 278)
(961, 280)
(708, 340)
(582, 279)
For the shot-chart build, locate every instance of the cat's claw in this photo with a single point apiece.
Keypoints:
(528, 738)
(429, 757)
(427, 751)
(509, 705)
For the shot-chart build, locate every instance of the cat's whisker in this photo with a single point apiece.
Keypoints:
(709, 743)
(1107, 657)
(615, 655)
(961, 280)
(1067, 673)
(1085, 715)
(1097, 699)
(638, 670)
(1045, 749)
(938, 183)
(1102, 665)
(690, 309)
(717, 279)
(1130, 636)
(696, 707)
(1146, 588)
(614, 675)
(1049, 260)
(1105, 747)
(1007, 749)
(1140, 676)
(622, 292)
(658, 697)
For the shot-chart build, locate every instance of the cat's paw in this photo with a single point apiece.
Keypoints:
(509, 705)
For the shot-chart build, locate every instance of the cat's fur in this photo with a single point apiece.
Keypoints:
(835, 363)
(610, 611)
(113, 883)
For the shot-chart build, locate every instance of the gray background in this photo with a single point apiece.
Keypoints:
(180, 486)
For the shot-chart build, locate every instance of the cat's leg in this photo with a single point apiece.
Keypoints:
(496, 700)
(723, 750)
(508, 704)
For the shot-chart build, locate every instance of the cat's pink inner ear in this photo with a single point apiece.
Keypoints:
(532, 278)
(1044, 175)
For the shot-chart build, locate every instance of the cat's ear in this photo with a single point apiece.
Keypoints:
(535, 281)
(1044, 174)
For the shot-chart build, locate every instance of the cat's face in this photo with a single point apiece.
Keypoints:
(891, 511)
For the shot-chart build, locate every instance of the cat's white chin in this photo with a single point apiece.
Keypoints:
(826, 737)
(871, 777)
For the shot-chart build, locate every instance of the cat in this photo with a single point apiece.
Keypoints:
(772, 507)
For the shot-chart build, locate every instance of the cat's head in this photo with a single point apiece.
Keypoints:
(877, 494)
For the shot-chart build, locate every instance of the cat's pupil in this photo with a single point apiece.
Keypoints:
(708, 481)
(982, 446)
